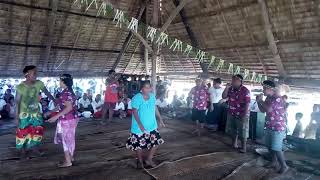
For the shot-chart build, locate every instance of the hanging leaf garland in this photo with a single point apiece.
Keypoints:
(119, 17)
(246, 73)
(259, 78)
(102, 9)
(220, 65)
(212, 60)
(177, 44)
(230, 69)
(253, 76)
(152, 32)
(238, 70)
(201, 55)
(188, 49)
(163, 38)
(133, 25)
(92, 2)
(106, 9)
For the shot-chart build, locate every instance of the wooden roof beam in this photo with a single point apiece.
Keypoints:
(179, 7)
(128, 39)
(51, 26)
(272, 44)
(194, 41)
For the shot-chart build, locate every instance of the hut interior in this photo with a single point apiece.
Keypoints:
(277, 39)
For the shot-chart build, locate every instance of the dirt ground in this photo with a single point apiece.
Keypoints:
(101, 154)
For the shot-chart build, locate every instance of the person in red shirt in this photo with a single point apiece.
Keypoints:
(238, 111)
(111, 95)
(200, 97)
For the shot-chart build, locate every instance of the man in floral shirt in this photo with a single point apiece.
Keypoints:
(200, 97)
(238, 111)
(274, 107)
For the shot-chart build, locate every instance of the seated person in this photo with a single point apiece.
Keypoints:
(8, 95)
(97, 106)
(297, 132)
(119, 110)
(85, 104)
(127, 104)
(9, 110)
(162, 104)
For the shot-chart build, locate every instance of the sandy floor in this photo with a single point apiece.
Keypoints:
(101, 154)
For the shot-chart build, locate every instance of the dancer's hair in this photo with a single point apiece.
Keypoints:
(144, 83)
(68, 81)
(26, 69)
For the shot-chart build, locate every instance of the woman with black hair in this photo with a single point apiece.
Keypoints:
(145, 138)
(67, 120)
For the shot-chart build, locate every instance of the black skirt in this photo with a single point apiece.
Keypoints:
(144, 141)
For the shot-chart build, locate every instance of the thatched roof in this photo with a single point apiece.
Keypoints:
(84, 45)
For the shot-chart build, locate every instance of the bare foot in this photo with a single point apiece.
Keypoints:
(272, 165)
(65, 165)
(283, 170)
(242, 150)
(150, 163)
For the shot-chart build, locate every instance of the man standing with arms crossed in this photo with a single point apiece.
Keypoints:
(238, 111)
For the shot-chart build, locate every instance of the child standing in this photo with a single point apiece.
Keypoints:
(145, 138)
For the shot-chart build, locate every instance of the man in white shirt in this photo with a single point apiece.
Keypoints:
(97, 105)
(120, 109)
(215, 112)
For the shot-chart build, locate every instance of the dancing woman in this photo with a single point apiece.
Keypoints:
(67, 120)
(145, 138)
(28, 119)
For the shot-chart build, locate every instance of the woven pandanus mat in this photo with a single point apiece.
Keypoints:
(206, 166)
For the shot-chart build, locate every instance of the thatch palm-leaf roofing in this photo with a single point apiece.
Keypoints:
(234, 30)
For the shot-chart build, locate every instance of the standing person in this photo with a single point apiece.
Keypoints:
(200, 97)
(215, 111)
(111, 96)
(28, 118)
(238, 111)
(146, 120)
(275, 125)
(67, 120)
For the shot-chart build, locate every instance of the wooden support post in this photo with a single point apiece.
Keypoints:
(271, 40)
(51, 26)
(155, 19)
(146, 52)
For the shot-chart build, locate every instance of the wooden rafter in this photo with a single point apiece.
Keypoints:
(271, 40)
(9, 48)
(93, 29)
(81, 22)
(174, 13)
(29, 24)
(229, 32)
(60, 36)
(292, 16)
(249, 30)
(33, 7)
(193, 39)
(128, 39)
(51, 25)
